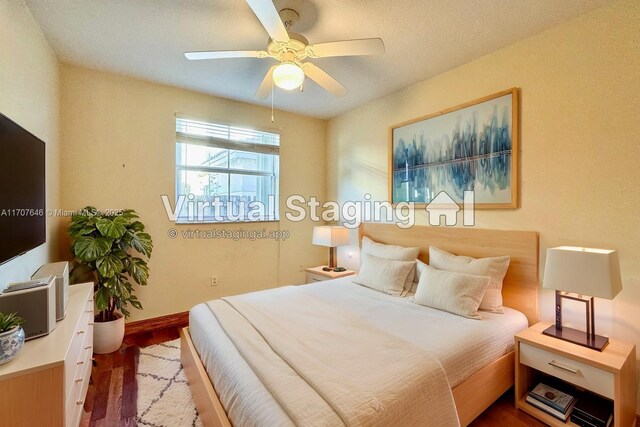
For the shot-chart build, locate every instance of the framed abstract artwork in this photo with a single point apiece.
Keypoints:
(470, 147)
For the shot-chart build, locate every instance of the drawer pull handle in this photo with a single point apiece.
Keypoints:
(79, 380)
(87, 347)
(90, 324)
(81, 363)
(79, 402)
(88, 311)
(80, 332)
(564, 368)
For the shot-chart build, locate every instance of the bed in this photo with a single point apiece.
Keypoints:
(474, 355)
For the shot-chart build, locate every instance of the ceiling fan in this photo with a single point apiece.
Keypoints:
(290, 50)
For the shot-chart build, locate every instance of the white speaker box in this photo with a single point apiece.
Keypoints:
(60, 272)
(36, 305)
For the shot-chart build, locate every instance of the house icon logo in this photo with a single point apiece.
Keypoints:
(443, 205)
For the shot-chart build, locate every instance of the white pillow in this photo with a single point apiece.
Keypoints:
(397, 253)
(385, 275)
(494, 267)
(419, 267)
(457, 293)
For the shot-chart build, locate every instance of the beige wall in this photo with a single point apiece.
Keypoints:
(579, 171)
(119, 152)
(29, 95)
(580, 157)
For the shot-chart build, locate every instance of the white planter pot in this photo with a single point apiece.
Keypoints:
(11, 343)
(108, 336)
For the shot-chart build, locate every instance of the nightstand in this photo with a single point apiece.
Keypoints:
(610, 373)
(315, 274)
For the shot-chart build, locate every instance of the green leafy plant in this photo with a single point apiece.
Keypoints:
(10, 321)
(112, 251)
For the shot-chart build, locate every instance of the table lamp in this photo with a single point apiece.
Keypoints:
(331, 236)
(579, 274)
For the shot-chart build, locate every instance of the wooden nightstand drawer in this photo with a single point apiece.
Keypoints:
(311, 277)
(317, 274)
(577, 373)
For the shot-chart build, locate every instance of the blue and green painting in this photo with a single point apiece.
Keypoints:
(465, 150)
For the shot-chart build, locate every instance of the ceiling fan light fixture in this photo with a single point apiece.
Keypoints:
(288, 76)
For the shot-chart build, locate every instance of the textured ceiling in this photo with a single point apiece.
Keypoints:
(147, 39)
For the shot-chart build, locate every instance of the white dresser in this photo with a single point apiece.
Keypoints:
(45, 385)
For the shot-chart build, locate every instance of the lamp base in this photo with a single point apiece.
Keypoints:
(333, 257)
(595, 342)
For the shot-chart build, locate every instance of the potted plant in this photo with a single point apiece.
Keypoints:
(11, 336)
(112, 250)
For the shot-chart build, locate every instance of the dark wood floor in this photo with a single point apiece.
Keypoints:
(111, 399)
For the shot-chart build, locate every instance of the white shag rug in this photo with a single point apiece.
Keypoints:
(164, 398)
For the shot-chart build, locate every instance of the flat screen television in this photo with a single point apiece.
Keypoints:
(22, 190)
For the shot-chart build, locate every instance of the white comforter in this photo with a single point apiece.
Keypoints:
(307, 351)
(462, 346)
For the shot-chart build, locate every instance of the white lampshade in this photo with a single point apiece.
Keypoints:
(585, 271)
(331, 236)
(288, 76)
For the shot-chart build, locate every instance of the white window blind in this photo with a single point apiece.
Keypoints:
(226, 173)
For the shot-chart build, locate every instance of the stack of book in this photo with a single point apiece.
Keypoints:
(592, 411)
(552, 401)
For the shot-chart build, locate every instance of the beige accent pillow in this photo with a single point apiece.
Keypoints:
(385, 275)
(393, 252)
(493, 267)
(419, 267)
(457, 293)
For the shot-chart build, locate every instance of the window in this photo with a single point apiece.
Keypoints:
(225, 174)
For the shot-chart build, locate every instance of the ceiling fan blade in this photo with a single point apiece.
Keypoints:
(224, 54)
(323, 79)
(265, 87)
(346, 48)
(270, 19)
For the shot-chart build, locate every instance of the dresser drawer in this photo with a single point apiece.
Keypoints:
(83, 367)
(87, 326)
(73, 356)
(588, 377)
(78, 390)
(75, 400)
(82, 338)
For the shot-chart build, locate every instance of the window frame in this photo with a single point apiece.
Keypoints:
(230, 145)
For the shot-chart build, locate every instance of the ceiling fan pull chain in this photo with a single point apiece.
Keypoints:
(272, 95)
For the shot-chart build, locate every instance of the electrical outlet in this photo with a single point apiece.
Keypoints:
(214, 281)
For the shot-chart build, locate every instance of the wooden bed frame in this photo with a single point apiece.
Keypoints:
(520, 291)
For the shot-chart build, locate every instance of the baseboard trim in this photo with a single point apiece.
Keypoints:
(176, 319)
